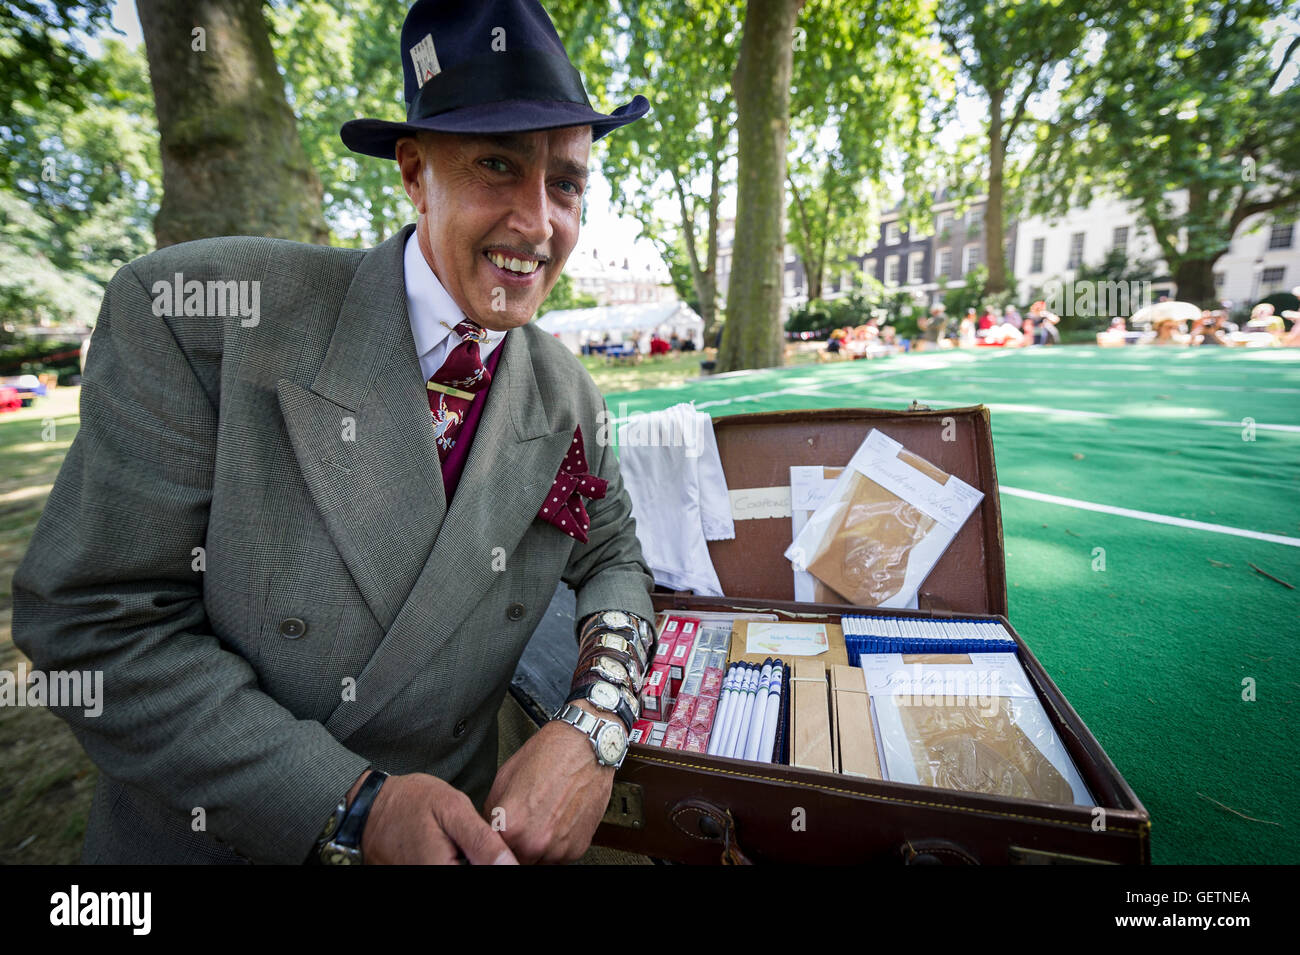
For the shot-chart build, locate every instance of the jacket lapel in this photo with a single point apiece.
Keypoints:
(512, 463)
(363, 437)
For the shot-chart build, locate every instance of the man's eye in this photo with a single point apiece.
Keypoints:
(576, 190)
(500, 165)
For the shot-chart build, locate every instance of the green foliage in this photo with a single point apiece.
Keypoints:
(340, 62)
(958, 298)
(44, 65)
(562, 296)
(868, 94)
(1183, 95)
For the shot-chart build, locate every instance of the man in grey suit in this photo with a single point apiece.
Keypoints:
(306, 602)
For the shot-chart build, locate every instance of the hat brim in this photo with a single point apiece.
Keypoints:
(377, 137)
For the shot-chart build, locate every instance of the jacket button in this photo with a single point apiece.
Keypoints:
(515, 612)
(460, 729)
(292, 628)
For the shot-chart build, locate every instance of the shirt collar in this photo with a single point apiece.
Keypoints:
(430, 305)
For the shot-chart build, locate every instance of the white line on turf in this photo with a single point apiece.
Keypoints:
(1239, 424)
(1149, 516)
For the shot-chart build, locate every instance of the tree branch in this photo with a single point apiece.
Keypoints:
(1247, 209)
(1291, 48)
(1019, 113)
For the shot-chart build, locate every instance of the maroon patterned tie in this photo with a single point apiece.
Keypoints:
(452, 388)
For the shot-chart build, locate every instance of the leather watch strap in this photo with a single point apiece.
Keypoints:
(621, 709)
(345, 846)
(627, 695)
(630, 663)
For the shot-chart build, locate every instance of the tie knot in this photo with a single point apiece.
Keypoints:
(471, 331)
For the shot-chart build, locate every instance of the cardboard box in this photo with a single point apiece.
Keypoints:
(810, 719)
(854, 739)
(656, 695)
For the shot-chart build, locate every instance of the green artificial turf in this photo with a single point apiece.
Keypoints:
(1157, 650)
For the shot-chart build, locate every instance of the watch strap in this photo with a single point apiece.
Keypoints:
(348, 836)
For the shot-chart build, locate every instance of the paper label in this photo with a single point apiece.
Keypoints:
(949, 504)
(751, 503)
(425, 59)
(786, 639)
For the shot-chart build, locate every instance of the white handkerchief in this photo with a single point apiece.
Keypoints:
(672, 472)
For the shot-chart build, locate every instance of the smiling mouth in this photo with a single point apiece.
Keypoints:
(513, 264)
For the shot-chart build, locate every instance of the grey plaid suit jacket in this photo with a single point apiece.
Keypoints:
(298, 453)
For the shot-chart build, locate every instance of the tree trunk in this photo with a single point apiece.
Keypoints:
(752, 337)
(1195, 280)
(232, 160)
(994, 254)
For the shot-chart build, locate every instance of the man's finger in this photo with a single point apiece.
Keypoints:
(480, 843)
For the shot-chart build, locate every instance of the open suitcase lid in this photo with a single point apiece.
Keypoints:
(758, 450)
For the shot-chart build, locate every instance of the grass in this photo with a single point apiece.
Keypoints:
(46, 779)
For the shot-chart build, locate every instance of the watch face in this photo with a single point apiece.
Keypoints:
(615, 619)
(603, 695)
(615, 642)
(611, 743)
(632, 702)
(612, 669)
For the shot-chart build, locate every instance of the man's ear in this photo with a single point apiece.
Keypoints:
(410, 161)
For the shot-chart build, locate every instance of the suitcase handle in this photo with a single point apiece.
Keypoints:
(703, 820)
(935, 852)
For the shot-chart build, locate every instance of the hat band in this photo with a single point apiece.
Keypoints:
(526, 74)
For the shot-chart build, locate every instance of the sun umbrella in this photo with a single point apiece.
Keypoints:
(1166, 312)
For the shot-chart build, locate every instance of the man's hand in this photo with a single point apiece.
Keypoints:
(420, 820)
(549, 797)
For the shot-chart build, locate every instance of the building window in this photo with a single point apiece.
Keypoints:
(789, 283)
(1076, 251)
(941, 222)
(789, 253)
(869, 268)
(1218, 281)
(1036, 255)
(945, 264)
(1281, 236)
(975, 219)
(970, 257)
(1271, 281)
(915, 268)
(891, 270)
(891, 233)
(1119, 239)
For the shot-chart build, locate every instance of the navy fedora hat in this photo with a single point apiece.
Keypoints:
(492, 66)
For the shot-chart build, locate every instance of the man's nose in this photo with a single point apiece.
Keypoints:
(530, 213)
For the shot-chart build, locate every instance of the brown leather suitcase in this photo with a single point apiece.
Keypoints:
(691, 808)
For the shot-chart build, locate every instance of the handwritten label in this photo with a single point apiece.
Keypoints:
(752, 503)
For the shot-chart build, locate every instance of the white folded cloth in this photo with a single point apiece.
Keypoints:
(672, 472)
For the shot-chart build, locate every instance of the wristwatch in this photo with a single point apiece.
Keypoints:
(608, 668)
(605, 696)
(608, 738)
(630, 662)
(624, 624)
(611, 640)
(340, 841)
(585, 680)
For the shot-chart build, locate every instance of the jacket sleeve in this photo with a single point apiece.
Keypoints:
(608, 572)
(108, 584)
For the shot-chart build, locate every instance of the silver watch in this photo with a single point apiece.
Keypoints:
(608, 738)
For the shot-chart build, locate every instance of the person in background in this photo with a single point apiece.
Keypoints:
(1208, 330)
(987, 320)
(1046, 322)
(966, 331)
(932, 327)
(1029, 333)
(1169, 332)
(1011, 316)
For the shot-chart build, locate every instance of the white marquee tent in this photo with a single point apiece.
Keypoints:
(624, 323)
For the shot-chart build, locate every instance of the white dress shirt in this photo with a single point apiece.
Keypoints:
(429, 306)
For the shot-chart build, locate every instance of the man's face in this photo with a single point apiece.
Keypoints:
(499, 215)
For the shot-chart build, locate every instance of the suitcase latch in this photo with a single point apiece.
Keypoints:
(626, 806)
